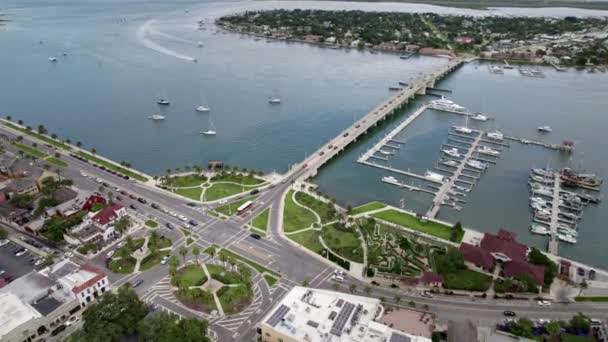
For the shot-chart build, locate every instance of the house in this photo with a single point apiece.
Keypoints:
(108, 216)
(23, 186)
(27, 168)
(431, 279)
(95, 198)
(515, 268)
(96, 226)
(10, 214)
(70, 202)
(462, 40)
(503, 246)
(477, 257)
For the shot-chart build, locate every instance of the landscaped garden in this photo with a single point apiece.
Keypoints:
(410, 221)
(296, 217)
(325, 210)
(112, 166)
(456, 276)
(226, 255)
(308, 239)
(221, 185)
(260, 222)
(122, 265)
(192, 193)
(343, 241)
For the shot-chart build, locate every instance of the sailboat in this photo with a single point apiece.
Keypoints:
(211, 128)
(202, 108)
(464, 129)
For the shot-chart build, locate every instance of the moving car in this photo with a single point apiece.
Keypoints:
(164, 260)
(142, 200)
(544, 303)
(169, 225)
(254, 191)
(194, 223)
(509, 313)
(137, 283)
(255, 236)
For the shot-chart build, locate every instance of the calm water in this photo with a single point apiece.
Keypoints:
(121, 55)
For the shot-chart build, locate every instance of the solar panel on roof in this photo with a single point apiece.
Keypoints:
(332, 315)
(342, 318)
(395, 337)
(340, 302)
(313, 324)
(278, 315)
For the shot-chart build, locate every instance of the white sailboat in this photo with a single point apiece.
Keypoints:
(203, 108)
(156, 117)
(464, 129)
(210, 129)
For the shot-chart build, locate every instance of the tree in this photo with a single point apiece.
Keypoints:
(397, 299)
(78, 144)
(183, 250)
(456, 232)
(20, 122)
(167, 327)
(153, 242)
(196, 251)
(9, 118)
(306, 283)
(411, 303)
(211, 251)
(554, 330)
(42, 129)
(523, 327)
(3, 233)
(173, 264)
(450, 262)
(21, 201)
(537, 257)
(123, 224)
(54, 136)
(93, 150)
(580, 322)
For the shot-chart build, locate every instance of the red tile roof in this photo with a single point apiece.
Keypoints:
(107, 214)
(514, 268)
(477, 256)
(95, 198)
(504, 243)
(431, 277)
(99, 275)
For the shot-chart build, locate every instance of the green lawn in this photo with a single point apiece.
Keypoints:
(224, 276)
(574, 338)
(31, 151)
(409, 221)
(296, 217)
(367, 207)
(236, 178)
(197, 299)
(234, 299)
(152, 260)
(218, 191)
(136, 245)
(467, 280)
(345, 243)
(591, 299)
(255, 265)
(270, 280)
(112, 166)
(261, 221)
(122, 265)
(151, 223)
(230, 208)
(323, 209)
(190, 275)
(308, 239)
(57, 161)
(185, 181)
(44, 138)
(192, 193)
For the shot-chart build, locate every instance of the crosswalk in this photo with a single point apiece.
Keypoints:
(234, 322)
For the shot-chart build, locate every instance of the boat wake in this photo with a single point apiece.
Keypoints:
(174, 38)
(142, 33)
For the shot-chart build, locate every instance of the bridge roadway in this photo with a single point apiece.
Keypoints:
(371, 119)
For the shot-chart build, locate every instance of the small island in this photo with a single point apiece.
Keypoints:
(567, 41)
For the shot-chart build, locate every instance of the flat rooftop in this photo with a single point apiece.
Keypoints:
(322, 315)
(14, 313)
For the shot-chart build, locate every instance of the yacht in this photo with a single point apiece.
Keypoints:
(156, 117)
(202, 108)
(543, 180)
(274, 100)
(479, 117)
(453, 152)
(434, 176)
(566, 238)
(496, 135)
(386, 153)
(488, 151)
(446, 105)
(545, 129)
(476, 164)
(390, 179)
(451, 162)
(211, 128)
(539, 229)
(567, 231)
(52, 59)
(162, 101)
(463, 130)
(543, 172)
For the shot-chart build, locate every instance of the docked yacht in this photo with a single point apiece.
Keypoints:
(567, 231)
(488, 151)
(446, 105)
(566, 238)
(545, 129)
(52, 59)
(453, 152)
(479, 117)
(539, 229)
(156, 117)
(543, 172)
(386, 153)
(202, 108)
(434, 176)
(451, 162)
(541, 179)
(463, 130)
(496, 135)
(477, 164)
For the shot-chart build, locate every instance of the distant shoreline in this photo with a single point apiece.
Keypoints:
(485, 5)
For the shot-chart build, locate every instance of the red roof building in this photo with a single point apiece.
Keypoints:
(108, 214)
(431, 279)
(95, 198)
(503, 246)
(516, 267)
(477, 256)
(99, 275)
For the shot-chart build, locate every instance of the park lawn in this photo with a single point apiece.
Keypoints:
(237, 178)
(31, 151)
(234, 298)
(296, 217)
(136, 245)
(230, 208)
(190, 275)
(151, 224)
(185, 181)
(42, 137)
(322, 209)
(57, 161)
(152, 260)
(253, 264)
(467, 280)
(126, 265)
(345, 243)
(191, 193)
(261, 221)
(308, 239)
(367, 207)
(112, 166)
(574, 338)
(591, 299)
(164, 242)
(410, 221)
(221, 190)
(224, 276)
(270, 280)
(197, 299)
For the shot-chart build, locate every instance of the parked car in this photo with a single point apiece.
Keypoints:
(169, 225)
(2, 272)
(256, 236)
(544, 303)
(142, 200)
(68, 255)
(121, 244)
(132, 206)
(118, 198)
(8, 278)
(254, 191)
(592, 274)
(110, 254)
(183, 218)
(427, 294)
(581, 271)
(194, 223)
(155, 206)
(138, 283)
(337, 278)
(190, 204)
(20, 252)
(164, 260)
(509, 313)
(72, 320)
(132, 197)
(4, 242)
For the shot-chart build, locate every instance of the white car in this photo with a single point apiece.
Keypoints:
(172, 214)
(98, 180)
(339, 273)
(223, 201)
(183, 218)
(121, 244)
(39, 262)
(165, 210)
(68, 255)
(164, 260)
(21, 252)
(83, 174)
(3, 242)
(2, 272)
(544, 303)
(187, 226)
(337, 278)
(72, 320)
(109, 255)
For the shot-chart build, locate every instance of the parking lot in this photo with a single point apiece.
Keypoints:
(13, 265)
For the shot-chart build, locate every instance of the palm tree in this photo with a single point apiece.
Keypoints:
(78, 144)
(68, 141)
(397, 299)
(20, 138)
(168, 172)
(20, 122)
(554, 330)
(412, 304)
(34, 144)
(93, 150)
(582, 286)
(41, 129)
(232, 262)
(196, 252)
(173, 264)
(211, 252)
(183, 251)
(352, 288)
(9, 118)
(305, 282)
(54, 136)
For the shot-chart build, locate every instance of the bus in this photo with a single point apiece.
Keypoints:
(244, 207)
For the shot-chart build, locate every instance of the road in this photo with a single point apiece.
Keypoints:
(274, 252)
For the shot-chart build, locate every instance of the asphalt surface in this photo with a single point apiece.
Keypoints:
(274, 252)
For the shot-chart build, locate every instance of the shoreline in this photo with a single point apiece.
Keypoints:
(591, 5)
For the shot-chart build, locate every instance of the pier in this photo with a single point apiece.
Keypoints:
(553, 243)
(310, 166)
(407, 186)
(406, 173)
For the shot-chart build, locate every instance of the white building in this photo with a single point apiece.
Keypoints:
(311, 315)
(96, 226)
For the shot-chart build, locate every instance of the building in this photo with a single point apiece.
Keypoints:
(22, 168)
(96, 226)
(23, 186)
(516, 268)
(36, 306)
(10, 214)
(321, 315)
(462, 40)
(94, 198)
(477, 256)
(431, 279)
(504, 246)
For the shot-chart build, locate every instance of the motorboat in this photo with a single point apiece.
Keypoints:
(566, 238)
(453, 152)
(202, 108)
(156, 117)
(446, 105)
(539, 229)
(476, 164)
(451, 162)
(496, 135)
(52, 59)
(386, 153)
(200, 44)
(163, 102)
(463, 130)
(274, 100)
(434, 176)
(543, 172)
(545, 129)
(211, 128)
(479, 117)
(488, 151)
